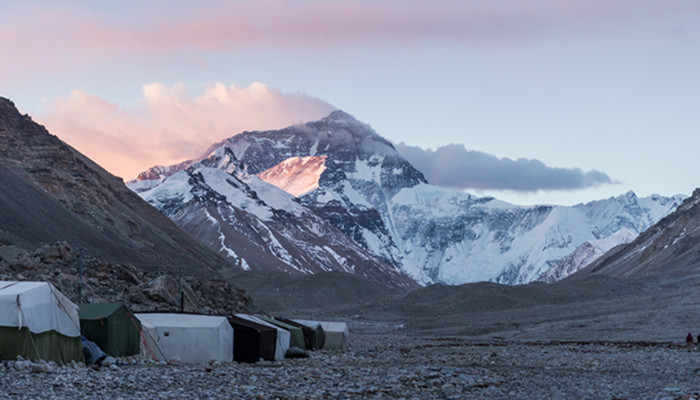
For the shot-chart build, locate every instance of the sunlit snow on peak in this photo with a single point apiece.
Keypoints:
(296, 175)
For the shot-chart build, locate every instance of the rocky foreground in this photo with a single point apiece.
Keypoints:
(389, 366)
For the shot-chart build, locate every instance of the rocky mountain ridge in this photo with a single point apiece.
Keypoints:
(51, 192)
(669, 247)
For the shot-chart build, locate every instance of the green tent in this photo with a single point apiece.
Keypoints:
(296, 335)
(38, 322)
(49, 345)
(112, 327)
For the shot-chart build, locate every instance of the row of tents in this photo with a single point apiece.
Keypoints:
(38, 322)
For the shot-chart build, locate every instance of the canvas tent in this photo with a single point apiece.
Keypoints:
(282, 343)
(112, 327)
(296, 338)
(38, 322)
(337, 333)
(319, 337)
(253, 341)
(313, 338)
(188, 338)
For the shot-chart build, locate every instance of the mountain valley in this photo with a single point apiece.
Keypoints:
(355, 233)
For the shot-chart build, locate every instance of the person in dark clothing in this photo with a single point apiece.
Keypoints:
(689, 341)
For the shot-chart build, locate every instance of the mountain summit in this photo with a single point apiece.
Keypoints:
(340, 171)
(257, 226)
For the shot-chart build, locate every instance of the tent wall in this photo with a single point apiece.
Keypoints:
(319, 338)
(253, 341)
(189, 338)
(49, 345)
(246, 347)
(282, 342)
(336, 333)
(268, 340)
(117, 332)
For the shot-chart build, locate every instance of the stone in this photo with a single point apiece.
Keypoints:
(296, 352)
(41, 367)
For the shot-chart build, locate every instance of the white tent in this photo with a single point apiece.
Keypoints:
(282, 344)
(38, 321)
(186, 337)
(337, 333)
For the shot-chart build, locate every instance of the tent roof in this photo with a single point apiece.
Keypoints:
(328, 326)
(238, 321)
(279, 323)
(98, 310)
(16, 287)
(257, 320)
(39, 306)
(181, 320)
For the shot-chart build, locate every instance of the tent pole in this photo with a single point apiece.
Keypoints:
(80, 276)
(179, 288)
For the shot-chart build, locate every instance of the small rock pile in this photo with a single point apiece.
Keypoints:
(87, 279)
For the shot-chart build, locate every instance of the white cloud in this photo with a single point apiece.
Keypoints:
(170, 124)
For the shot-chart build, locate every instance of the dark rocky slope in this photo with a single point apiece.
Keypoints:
(85, 278)
(51, 192)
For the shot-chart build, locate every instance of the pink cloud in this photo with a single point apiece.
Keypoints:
(50, 37)
(169, 124)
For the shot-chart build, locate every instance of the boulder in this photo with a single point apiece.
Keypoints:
(165, 289)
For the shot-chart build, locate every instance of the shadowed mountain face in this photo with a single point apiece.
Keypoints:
(672, 246)
(51, 192)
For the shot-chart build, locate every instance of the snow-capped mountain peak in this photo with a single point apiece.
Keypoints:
(346, 178)
(343, 118)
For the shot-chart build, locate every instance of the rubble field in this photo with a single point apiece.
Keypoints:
(389, 366)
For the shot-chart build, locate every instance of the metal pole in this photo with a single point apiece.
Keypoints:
(80, 276)
(181, 300)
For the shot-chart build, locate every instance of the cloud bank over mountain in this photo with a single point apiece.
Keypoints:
(456, 167)
(169, 124)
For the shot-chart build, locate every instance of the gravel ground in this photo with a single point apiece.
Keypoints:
(392, 367)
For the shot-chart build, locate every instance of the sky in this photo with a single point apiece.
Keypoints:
(532, 102)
